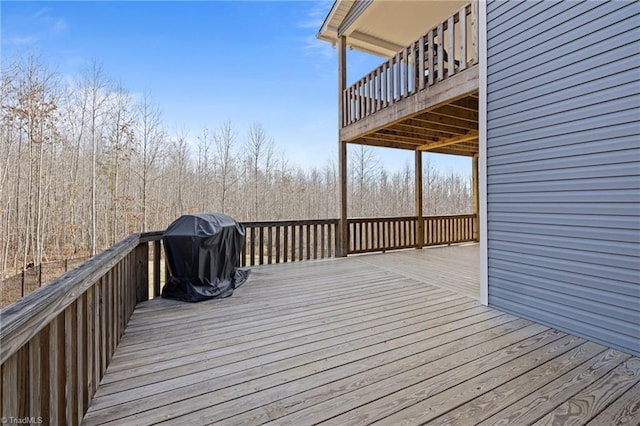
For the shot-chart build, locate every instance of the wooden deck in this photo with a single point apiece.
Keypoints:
(391, 338)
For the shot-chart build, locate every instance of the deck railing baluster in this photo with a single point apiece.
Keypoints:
(392, 95)
(462, 37)
(430, 64)
(301, 242)
(252, 258)
(156, 268)
(452, 46)
(269, 245)
(261, 246)
(308, 242)
(293, 243)
(285, 249)
(277, 247)
(440, 65)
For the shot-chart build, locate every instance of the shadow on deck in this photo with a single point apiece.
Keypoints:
(396, 338)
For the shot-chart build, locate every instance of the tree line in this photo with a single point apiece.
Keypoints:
(84, 163)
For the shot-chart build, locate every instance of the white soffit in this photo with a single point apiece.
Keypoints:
(384, 27)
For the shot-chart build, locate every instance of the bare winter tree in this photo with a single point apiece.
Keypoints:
(151, 142)
(365, 168)
(429, 178)
(179, 170)
(97, 88)
(259, 152)
(206, 167)
(73, 129)
(331, 194)
(7, 128)
(30, 112)
(225, 139)
(118, 149)
(283, 182)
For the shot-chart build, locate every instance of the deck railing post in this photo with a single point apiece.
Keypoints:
(342, 155)
(142, 272)
(157, 255)
(419, 223)
(476, 196)
(343, 231)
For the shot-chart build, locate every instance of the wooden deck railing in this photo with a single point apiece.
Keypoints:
(289, 241)
(417, 66)
(393, 233)
(56, 343)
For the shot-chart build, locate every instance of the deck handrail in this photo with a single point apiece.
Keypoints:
(25, 318)
(56, 343)
(416, 67)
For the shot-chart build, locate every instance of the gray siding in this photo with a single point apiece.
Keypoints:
(563, 165)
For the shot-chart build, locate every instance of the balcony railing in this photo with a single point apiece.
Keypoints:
(56, 343)
(446, 49)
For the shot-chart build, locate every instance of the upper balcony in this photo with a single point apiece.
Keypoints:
(424, 96)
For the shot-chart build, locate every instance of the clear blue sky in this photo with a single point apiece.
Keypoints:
(206, 62)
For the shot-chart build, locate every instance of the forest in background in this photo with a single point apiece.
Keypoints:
(83, 163)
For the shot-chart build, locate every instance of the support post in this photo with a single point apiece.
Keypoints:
(344, 227)
(418, 195)
(342, 152)
(476, 199)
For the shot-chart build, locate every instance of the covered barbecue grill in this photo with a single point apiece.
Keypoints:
(202, 251)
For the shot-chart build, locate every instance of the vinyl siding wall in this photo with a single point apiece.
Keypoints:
(563, 165)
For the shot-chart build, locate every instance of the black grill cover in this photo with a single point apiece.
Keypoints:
(202, 251)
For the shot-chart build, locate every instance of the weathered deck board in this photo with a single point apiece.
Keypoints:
(544, 400)
(393, 338)
(453, 268)
(592, 400)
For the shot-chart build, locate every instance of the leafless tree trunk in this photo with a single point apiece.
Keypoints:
(118, 149)
(364, 170)
(75, 119)
(204, 168)
(225, 140)
(32, 114)
(179, 165)
(98, 91)
(8, 162)
(259, 151)
(151, 140)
